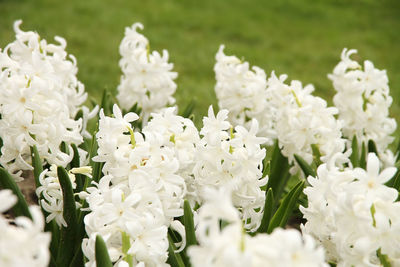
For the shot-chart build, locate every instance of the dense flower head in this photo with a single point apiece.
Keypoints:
(363, 100)
(354, 214)
(50, 194)
(287, 112)
(142, 190)
(39, 99)
(147, 79)
(231, 158)
(23, 243)
(302, 120)
(231, 246)
(242, 91)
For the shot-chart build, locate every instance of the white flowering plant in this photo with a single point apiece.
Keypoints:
(275, 177)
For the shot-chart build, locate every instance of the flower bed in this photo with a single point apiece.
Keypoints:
(274, 178)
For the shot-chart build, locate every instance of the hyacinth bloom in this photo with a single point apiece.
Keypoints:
(143, 186)
(363, 100)
(354, 214)
(147, 79)
(231, 158)
(39, 98)
(164, 193)
(242, 90)
(302, 120)
(287, 112)
(231, 246)
(23, 243)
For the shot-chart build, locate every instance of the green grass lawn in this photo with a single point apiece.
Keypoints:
(301, 38)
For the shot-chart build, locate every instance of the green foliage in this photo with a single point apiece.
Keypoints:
(102, 257)
(189, 224)
(268, 211)
(305, 167)
(68, 234)
(281, 216)
(7, 182)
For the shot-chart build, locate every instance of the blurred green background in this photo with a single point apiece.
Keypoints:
(302, 38)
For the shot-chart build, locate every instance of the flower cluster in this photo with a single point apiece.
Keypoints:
(23, 243)
(232, 158)
(141, 191)
(363, 101)
(163, 192)
(231, 246)
(147, 77)
(354, 214)
(39, 99)
(50, 194)
(302, 120)
(242, 91)
(289, 113)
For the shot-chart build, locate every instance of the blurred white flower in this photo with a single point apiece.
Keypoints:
(363, 102)
(302, 120)
(230, 245)
(353, 214)
(23, 243)
(242, 91)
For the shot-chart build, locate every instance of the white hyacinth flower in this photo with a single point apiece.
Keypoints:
(363, 102)
(147, 79)
(231, 158)
(39, 99)
(23, 243)
(142, 189)
(242, 91)
(354, 214)
(289, 113)
(50, 194)
(302, 120)
(231, 246)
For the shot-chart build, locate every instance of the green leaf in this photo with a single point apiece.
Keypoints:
(189, 224)
(354, 158)
(279, 174)
(396, 152)
(281, 216)
(126, 245)
(102, 257)
(174, 259)
(266, 167)
(8, 182)
(316, 154)
(305, 167)
(51, 227)
(268, 211)
(1, 142)
(105, 103)
(68, 234)
(77, 260)
(384, 259)
(372, 147)
(37, 164)
(75, 163)
(96, 166)
(363, 158)
(79, 115)
(188, 109)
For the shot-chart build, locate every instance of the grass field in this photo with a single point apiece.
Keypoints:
(301, 38)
